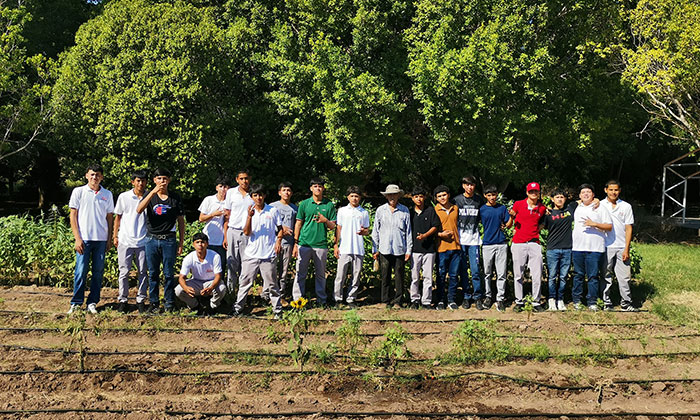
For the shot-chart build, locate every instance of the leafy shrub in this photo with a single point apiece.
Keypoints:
(392, 348)
(476, 341)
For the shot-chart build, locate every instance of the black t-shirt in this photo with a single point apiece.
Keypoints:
(421, 223)
(469, 219)
(559, 222)
(161, 215)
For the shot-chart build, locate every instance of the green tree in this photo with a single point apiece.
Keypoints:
(663, 64)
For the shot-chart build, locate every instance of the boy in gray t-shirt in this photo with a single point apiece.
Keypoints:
(288, 211)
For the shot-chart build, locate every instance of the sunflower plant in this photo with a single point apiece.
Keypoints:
(299, 321)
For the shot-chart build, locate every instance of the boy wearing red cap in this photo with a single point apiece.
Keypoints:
(526, 248)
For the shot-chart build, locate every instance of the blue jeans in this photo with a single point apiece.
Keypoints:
(558, 265)
(93, 252)
(470, 256)
(586, 264)
(165, 251)
(448, 263)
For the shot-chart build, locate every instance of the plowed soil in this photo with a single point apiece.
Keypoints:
(173, 366)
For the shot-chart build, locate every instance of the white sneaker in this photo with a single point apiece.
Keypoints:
(551, 304)
(73, 308)
(92, 308)
(560, 305)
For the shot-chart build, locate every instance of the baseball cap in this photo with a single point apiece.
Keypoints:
(532, 186)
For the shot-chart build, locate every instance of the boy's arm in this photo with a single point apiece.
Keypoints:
(183, 283)
(375, 235)
(628, 242)
(336, 252)
(110, 224)
(79, 245)
(181, 234)
(115, 230)
(297, 232)
(409, 238)
(247, 229)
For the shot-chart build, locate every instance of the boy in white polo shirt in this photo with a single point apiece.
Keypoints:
(588, 246)
(91, 208)
(205, 267)
(130, 240)
(352, 225)
(237, 202)
(264, 230)
(618, 242)
(212, 212)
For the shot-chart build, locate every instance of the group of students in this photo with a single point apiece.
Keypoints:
(244, 236)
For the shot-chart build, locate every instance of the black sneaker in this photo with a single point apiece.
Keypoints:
(466, 304)
(488, 303)
(453, 306)
(427, 307)
(141, 307)
(122, 307)
(500, 306)
(628, 307)
(537, 308)
(154, 309)
(518, 307)
(440, 305)
(415, 305)
(480, 304)
(352, 305)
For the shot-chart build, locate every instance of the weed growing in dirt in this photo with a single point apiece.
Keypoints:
(323, 353)
(75, 329)
(392, 348)
(477, 341)
(349, 337)
(273, 336)
(299, 321)
(597, 350)
(528, 308)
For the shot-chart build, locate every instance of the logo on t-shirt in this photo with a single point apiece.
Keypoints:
(161, 209)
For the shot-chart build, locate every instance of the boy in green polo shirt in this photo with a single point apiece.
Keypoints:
(315, 216)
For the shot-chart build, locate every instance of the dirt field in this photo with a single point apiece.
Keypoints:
(151, 367)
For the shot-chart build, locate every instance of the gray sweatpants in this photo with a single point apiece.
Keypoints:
(282, 262)
(495, 259)
(345, 262)
(126, 256)
(237, 242)
(217, 294)
(424, 262)
(527, 255)
(250, 268)
(623, 273)
(319, 255)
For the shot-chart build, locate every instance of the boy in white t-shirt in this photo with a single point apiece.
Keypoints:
(588, 246)
(237, 203)
(205, 267)
(91, 208)
(264, 230)
(617, 258)
(352, 225)
(130, 240)
(212, 212)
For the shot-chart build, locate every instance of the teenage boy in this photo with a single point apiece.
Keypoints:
(448, 248)
(288, 212)
(91, 208)
(237, 203)
(469, 204)
(588, 246)
(495, 218)
(392, 243)
(212, 211)
(264, 229)
(130, 240)
(618, 243)
(205, 267)
(425, 224)
(163, 209)
(558, 222)
(526, 248)
(316, 215)
(351, 228)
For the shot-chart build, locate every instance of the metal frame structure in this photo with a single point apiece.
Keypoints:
(673, 174)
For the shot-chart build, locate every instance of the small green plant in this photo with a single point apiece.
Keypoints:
(75, 329)
(528, 308)
(273, 336)
(476, 341)
(323, 353)
(349, 337)
(392, 348)
(298, 321)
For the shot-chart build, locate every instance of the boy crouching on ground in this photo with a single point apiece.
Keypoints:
(205, 267)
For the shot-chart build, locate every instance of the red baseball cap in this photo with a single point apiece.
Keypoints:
(532, 186)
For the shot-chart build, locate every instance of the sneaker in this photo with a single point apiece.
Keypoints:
(427, 307)
(537, 308)
(579, 306)
(500, 306)
(560, 305)
(593, 308)
(466, 304)
(488, 303)
(629, 308)
(608, 308)
(551, 304)
(237, 314)
(480, 304)
(414, 305)
(154, 309)
(73, 308)
(440, 305)
(92, 308)
(121, 307)
(141, 307)
(518, 307)
(352, 305)
(454, 306)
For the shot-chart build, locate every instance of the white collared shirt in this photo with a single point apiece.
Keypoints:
(621, 216)
(237, 204)
(214, 228)
(201, 270)
(93, 208)
(132, 226)
(263, 226)
(588, 238)
(351, 220)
